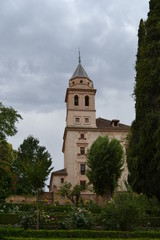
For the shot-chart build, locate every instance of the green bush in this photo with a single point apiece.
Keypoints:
(78, 218)
(28, 219)
(9, 208)
(153, 208)
(76, 234)
(151, 222)
(32, 206)
(94, 208)
(6, 218)
(124, 213)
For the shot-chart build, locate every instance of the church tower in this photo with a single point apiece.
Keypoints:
(80, 100)
(80, 115)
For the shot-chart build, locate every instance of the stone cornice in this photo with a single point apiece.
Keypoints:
(90, 129)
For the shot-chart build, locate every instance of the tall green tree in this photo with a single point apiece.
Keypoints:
(33, 165)
(7, 178)
(105, 161)
(8, 119)
(143, 152)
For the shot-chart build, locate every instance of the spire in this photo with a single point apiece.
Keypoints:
(79, 72)
(79, 57)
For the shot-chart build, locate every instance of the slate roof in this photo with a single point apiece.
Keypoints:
(104, 123)
(80, 72)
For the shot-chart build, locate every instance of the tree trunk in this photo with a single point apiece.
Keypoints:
(106, 196)
(37, 208)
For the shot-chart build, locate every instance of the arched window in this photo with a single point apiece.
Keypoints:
(86, 101)
(76, 100)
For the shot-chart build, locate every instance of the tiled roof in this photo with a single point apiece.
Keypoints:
(104, 123)
(60, 172)
(80, 72)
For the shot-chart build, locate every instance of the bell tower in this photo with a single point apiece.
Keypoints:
(80, 100)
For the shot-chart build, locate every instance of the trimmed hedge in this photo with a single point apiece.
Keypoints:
(76, 234)
(31, 206)
(6, 218)
(152, 222)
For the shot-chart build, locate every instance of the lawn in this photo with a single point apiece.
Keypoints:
(13, 238)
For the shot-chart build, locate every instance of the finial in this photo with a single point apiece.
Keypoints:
(79, 56)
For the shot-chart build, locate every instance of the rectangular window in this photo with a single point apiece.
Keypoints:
(86, 120)
(82, 150)
(77, 119)
(83, 183)
(82, 136)
(62, 180)
(83, 168)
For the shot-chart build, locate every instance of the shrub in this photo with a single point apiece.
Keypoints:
(47, 221)
(153, 208)
(38, 234)
(124, 213)
(78, 218)
(94, 208)
(81, 218)
(6, 218)
(28, 219)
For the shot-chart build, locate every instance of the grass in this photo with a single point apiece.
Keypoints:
(14, 238)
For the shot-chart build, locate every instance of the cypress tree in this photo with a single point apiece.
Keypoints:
(143, 153)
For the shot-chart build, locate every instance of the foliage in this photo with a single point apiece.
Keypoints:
(126, 212)
(8, 119)
(92, 234)
(93, 207)
(105, 161)
(7, 178)
(73, 194)
(143, 153)
(28, 219)
(9, 218)
(48, 219)
(32, 166)
(77, 218)
(81, 218)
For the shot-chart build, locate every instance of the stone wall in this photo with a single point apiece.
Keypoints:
(45, 197)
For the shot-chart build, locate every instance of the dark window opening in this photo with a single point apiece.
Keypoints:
(82, 150)
(81, 81)
(76, 100)
(77, 120)
(86, 101)
(83, 169)
(86, 120)
(62, 180)
(83, 183)
(115, 123)
(82, 135)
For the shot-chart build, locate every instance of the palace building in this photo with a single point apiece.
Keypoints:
(82, 129)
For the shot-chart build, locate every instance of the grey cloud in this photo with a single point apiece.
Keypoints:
(39, 45)
(39, 52)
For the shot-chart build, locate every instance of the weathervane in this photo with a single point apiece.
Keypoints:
(79, 56)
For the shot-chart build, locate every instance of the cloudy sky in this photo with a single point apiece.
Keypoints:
(39, 41)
